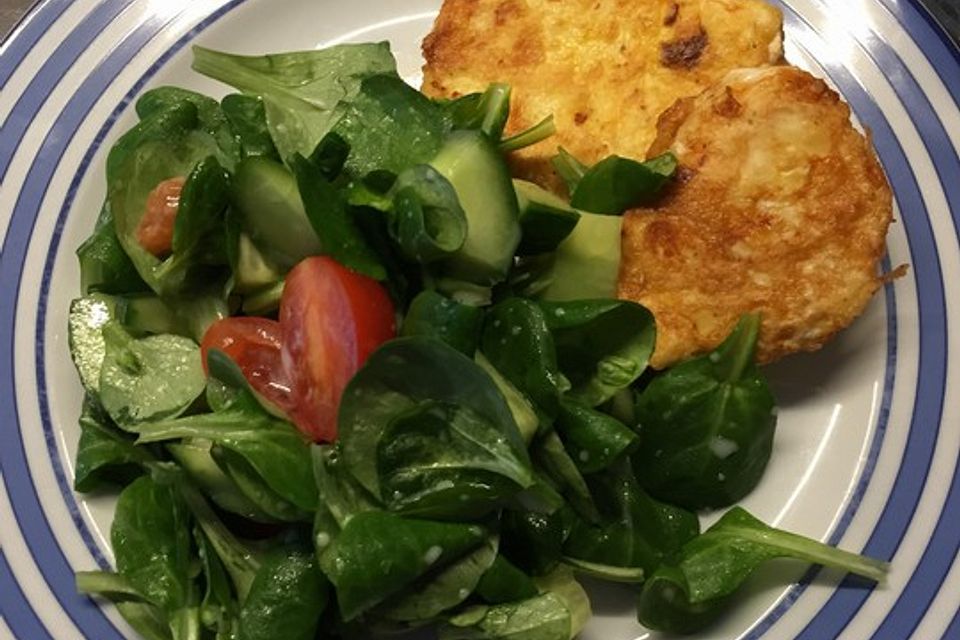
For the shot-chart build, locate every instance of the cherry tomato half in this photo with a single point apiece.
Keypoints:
(254, 344)
(331, 320)
(155, 231)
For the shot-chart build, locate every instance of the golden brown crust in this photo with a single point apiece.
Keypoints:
(784, 210)
(604, 68)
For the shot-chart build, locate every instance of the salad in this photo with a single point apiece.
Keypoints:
(349, 378)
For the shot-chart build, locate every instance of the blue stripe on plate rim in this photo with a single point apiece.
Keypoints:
(23, 620)
(49, 76)
(26, 34)
(46, 553)
(60, 224)
(885, 540)
(915, 599)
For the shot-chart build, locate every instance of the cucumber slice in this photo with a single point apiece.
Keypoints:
(588, 261)
(142, 315)
(479, 175)
(271, 212)
(545, 218)
(190, 317)
(253, 270)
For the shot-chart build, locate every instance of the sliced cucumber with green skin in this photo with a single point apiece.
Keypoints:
(148, 315)
(588, 261)
(545, 218)
(268, 199)
(253, 270)
(152, 315)
(479, 175)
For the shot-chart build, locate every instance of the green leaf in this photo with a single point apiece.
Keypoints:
(616, 184)
(193, 456)
(504, 582)
(537, 133)
(240, 560)
(300, 90)
(524, 414)
(199, 250)
(568, 168)
(330, 217)
(175, 121)
(85, 324)
(561, 582)
(286, 599)
(550, 455)
(252, 485)
(707, 426)
(543, 617)
(339, 492)
(248, 120)
(603, 346)
(210, 116)
(104, 265)
(443, 460)
(433, 314)
(441, 591)
(594, 439)
(635, 531)
(516, 340)
(487, 111)
(716, 562)
(693, 589)
(170, 145)
(149, 379)
(399, 376)
(218, 604)
(273, 448)
(426, 220)
(378, 554)
(532, 540)
(145, 618)
(390, 126)
(105, 454)
(331, 155)
(203, 200)
(151, 541)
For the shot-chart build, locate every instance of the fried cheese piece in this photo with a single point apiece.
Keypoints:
(781, 207)
(605, 69)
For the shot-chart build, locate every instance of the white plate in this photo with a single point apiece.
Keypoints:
(868, 440)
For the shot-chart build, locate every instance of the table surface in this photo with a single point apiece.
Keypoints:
(947, 11)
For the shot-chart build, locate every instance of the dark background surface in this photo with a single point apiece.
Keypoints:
(946, 11)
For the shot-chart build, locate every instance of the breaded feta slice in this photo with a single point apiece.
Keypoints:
(781, 207)
(605, 69)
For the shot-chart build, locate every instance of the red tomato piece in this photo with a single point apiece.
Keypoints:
(254, 344)
(332, 319)
(155, 231)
